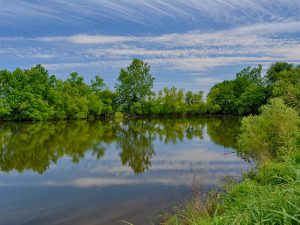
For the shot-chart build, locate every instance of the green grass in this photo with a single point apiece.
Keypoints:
(269, 196)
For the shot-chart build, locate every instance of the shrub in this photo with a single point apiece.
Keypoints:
(271, 134)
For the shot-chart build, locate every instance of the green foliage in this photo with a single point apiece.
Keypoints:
(275, 173)
(108, 99)
(271, 134)
(253, 97)
(223, 95)
(35, 95)
(241, 96)
(287, 87)
(134, 84)
(275, 69)
(171, 100)
(251, 203)
(25, 93)
(271, 196)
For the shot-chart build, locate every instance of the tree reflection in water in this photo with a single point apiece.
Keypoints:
(34, 146)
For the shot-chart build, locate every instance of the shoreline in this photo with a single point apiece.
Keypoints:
(132, 117)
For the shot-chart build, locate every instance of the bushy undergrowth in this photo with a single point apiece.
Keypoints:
(271, 193)
(272, 134)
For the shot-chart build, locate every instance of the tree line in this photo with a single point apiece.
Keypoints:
(34, 94)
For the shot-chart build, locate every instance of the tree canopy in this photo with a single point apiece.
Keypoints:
(241, 96)
(134, 84)
(34, 94)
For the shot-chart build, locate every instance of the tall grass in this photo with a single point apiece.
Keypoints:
(271, 193)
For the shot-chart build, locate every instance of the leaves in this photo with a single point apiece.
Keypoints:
(134, 84)
(35, 95)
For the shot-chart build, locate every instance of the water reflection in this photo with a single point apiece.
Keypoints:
(34, 146)
(101, 172)
(224, 131)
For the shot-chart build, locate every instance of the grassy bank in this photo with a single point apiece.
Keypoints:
(270, 194)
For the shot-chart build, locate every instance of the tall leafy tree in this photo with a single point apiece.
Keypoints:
(134, 84)
(275, 69)
(251, 91)
(224, 96)
(287, 87)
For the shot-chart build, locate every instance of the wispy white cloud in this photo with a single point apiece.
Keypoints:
(44, 56)
(75, 65)
(205, 36)
(191, 51)
(88, 39)
(245, 35)
(147, 12)
(206, 80)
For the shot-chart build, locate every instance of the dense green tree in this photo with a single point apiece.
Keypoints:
(25, 94)
(171, 99)
(35, 95)
(134, 84)
(152, 106)
(109, 100)
(74, 94)
(287, 87)
(194, 103)
(97, 86)
(189, 97)
(223, 95)
(275, 69)
(251, 91)
(4, 109)
(241, 96)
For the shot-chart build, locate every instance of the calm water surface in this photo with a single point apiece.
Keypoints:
(101, 172)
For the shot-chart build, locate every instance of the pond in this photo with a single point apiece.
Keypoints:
(103, 172)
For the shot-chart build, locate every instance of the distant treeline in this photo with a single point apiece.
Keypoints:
(33, 94)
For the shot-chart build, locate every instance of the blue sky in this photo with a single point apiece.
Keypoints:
(189, 44)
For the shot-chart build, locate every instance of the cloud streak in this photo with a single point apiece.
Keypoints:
(246, 34)
(178, 38)
(149, 13)
(191, 51)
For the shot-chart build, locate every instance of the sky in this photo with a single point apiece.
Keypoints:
(190, 44)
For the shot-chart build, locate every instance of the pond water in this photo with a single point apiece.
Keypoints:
(102, 172)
